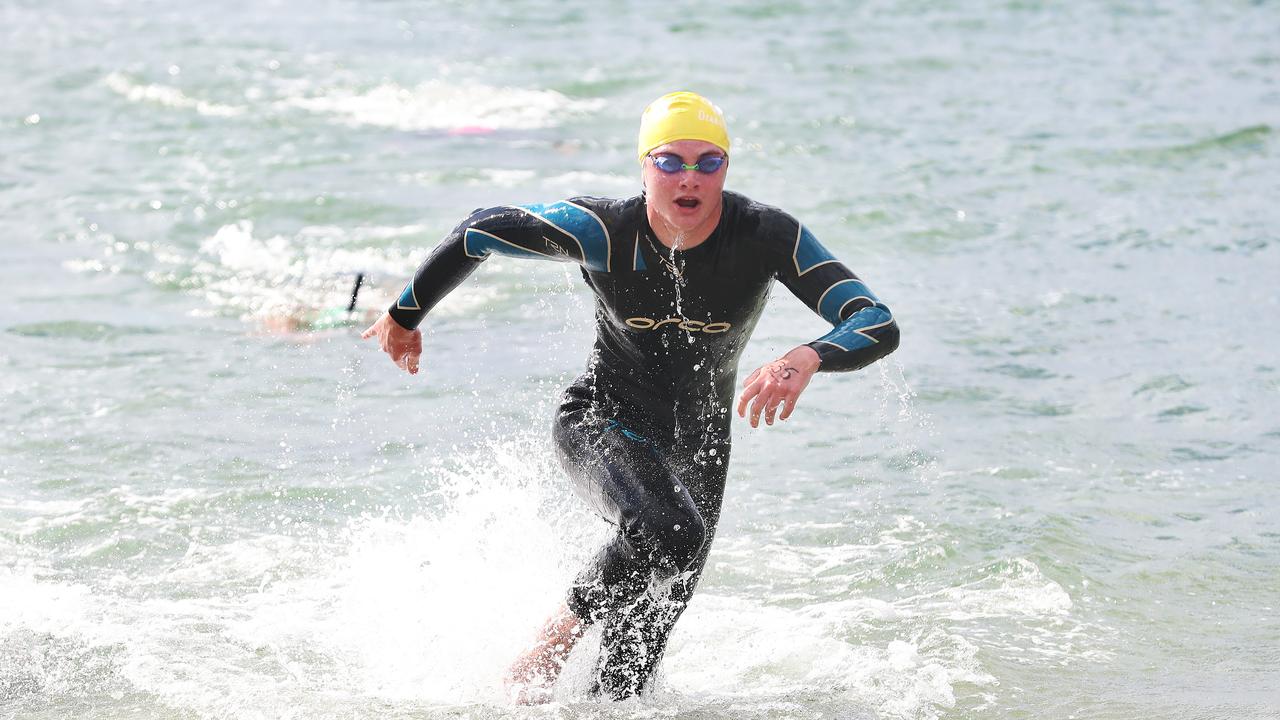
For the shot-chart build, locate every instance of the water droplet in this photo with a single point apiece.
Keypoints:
(677, 526)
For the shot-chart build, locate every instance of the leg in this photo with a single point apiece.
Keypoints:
(630, 483)
(634, 640)
(661, 544)
(532, 675)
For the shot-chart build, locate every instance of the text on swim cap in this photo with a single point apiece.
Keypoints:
(714, 120)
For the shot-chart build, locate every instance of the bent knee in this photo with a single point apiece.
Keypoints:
(670, 536)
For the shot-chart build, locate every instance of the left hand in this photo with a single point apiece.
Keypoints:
(778, 382)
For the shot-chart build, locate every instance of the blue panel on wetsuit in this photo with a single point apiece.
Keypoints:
(580, 224)
(809, 253)
(839, 294)
(847, 335)
(408, 301)
(478, 244)
(625, 431)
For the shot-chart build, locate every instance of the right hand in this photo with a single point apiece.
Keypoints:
(404, 346)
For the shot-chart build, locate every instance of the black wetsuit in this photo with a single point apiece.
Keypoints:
(644, 432)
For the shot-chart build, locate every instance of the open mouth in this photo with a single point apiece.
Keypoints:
(687, 202)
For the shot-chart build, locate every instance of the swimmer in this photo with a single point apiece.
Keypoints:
(680, 275)
(301, 321)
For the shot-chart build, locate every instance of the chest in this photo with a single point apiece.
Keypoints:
(702, 293)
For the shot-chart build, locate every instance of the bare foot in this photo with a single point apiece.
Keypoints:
(532, 676)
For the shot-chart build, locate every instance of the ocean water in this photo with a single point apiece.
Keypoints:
(1056, 500)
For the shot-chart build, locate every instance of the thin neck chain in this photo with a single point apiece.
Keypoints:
(667, 260)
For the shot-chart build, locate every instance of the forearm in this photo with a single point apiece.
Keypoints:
(863, 328)
(443, 270)
(866, 336)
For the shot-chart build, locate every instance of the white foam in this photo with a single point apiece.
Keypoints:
(782, 558)
(1018, 588)
(167, 96)
(489, 177)
(589, 183)
(42, 508)
(433, 608)
(437, 608)
(437, 105)
(764, 651)
(40, 606)
(427, 609)
(563, 185)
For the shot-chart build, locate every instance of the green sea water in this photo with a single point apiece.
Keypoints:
(1051, 502)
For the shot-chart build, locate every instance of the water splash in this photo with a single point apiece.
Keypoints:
(167, 96)
(437, 105)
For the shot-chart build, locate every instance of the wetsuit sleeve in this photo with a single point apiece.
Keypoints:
(567, 231)
(864, 330)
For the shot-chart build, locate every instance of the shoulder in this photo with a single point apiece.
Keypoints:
(576, 215)
(611, 212)
(769, 227)
(582, 214)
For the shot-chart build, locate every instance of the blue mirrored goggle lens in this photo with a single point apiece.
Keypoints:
(674, 163)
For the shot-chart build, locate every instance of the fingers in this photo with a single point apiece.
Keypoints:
(768, 391)
(791, 405)
(406, 354)
(747, 394)
(766, 402)
(414, 354)
(759, 389)
(766, 397)
(769, 409)
(369, 331)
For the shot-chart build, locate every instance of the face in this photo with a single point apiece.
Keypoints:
(684, 206)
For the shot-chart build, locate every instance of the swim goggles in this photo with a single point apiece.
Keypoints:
(671, 164)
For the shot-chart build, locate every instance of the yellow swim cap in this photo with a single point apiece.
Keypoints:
(681, 116)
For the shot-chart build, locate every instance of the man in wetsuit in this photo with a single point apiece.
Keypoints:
(680, 275)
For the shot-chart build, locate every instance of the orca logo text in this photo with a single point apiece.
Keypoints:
(644, 323)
